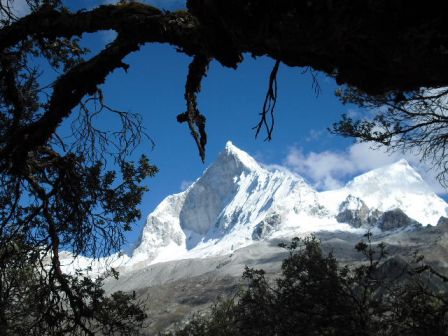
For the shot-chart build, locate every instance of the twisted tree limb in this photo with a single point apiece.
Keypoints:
(375, 46)
(196, 121)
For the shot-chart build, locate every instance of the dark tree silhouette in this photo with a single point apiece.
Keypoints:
(314, 295)
(390, 48)
(56, 193)
(416, 122)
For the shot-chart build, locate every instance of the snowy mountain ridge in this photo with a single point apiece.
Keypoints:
(238, 202)
(218, 212)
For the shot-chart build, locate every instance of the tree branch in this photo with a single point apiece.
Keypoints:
(68, 91)
(49, 22)
(269, 105)
(196, 121)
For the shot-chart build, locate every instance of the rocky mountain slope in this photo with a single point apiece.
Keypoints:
(196, 243)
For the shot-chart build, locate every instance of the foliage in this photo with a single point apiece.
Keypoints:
(414, 121)
(315, 295)
(74, 192)
(37, 300)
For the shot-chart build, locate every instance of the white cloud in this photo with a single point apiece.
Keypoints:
(324, 169)
(314, 135)
(331, 170)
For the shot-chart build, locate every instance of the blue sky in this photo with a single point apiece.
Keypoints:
(231, 100)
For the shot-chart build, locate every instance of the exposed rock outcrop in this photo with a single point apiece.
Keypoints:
(355, 212)
(396, 219)
(266, 226)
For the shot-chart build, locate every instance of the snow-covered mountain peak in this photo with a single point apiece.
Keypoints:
(230, 145)
(237, 201)
(395, 186)
(396, 176)
(402, 162)
(234, 201)
(234, 157)
(222, 181)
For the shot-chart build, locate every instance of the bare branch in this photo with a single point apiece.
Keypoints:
(269, 105)
(68, 91)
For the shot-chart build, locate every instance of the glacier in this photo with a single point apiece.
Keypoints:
(238, 202)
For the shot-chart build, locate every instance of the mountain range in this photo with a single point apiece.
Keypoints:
(196, 244)
(238, 202)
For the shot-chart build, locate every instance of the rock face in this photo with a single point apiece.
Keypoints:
(208, 197)
(356, 213)
(266, 226)
(238, 202)
(442, 224)
(396, 219)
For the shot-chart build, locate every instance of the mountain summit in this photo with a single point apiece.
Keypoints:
(238, 201)
(234, 156)
(390, 187)
(397, 176)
